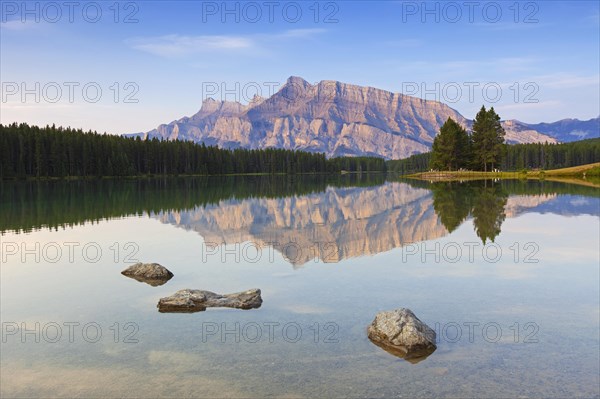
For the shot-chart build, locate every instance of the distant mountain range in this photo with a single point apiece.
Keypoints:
(567, 130)
(341, 119)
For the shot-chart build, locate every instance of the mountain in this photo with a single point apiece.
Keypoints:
(569, 129)
(335, 118)
(519, 132)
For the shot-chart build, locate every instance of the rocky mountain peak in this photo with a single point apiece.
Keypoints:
(297, 81)
(256, 100)
(335, 118)
(210, 106)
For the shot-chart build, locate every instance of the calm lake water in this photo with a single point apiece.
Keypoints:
(507, 273)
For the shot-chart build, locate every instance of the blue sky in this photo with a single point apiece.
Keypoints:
(167, 56)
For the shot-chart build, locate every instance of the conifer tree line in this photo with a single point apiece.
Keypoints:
(518, 157)
(484, 150)
(551, 156)
(413, 164)
(31, 151)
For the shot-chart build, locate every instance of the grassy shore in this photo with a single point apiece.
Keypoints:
(584, 174)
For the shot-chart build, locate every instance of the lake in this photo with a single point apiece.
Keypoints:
(505, 272)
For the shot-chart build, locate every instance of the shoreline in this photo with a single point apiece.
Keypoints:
(133, 177)
(573, 175)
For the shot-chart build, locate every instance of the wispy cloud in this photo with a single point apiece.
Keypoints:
(16, 25)
(457, 67)
(511, 25)
(565, 80)
(404, 43)
(176, 45)
(594, 18)
(542, 105)
(506, 64)
(299, 33)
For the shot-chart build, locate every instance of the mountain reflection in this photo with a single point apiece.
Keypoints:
(329, 218)
(332, 225)
(347, 222)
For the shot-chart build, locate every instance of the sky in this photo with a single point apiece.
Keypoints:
(125, 67)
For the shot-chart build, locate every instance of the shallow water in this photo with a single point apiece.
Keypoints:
(507, 273)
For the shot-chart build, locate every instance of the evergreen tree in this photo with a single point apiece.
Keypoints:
(451, 147)
(488, 139)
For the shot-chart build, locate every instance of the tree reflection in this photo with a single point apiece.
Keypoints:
(488, 211)
(483, 200)
(452, 203)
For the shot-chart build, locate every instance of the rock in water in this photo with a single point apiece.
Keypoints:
(149, 273)
(189, 301)
(402, 334)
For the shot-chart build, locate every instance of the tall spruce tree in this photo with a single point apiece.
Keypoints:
(488, 139)
(451, 147)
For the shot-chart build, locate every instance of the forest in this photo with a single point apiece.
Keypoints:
(484, 149)
(518, 157)
(56, 152)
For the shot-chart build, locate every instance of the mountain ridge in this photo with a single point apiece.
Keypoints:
(332, 117)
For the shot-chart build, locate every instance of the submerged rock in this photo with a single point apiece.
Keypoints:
(149, 273)
(402, 334)
(189, 301)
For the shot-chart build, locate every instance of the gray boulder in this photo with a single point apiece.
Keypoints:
(149, 273)
(402, 334)
(189, 301)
